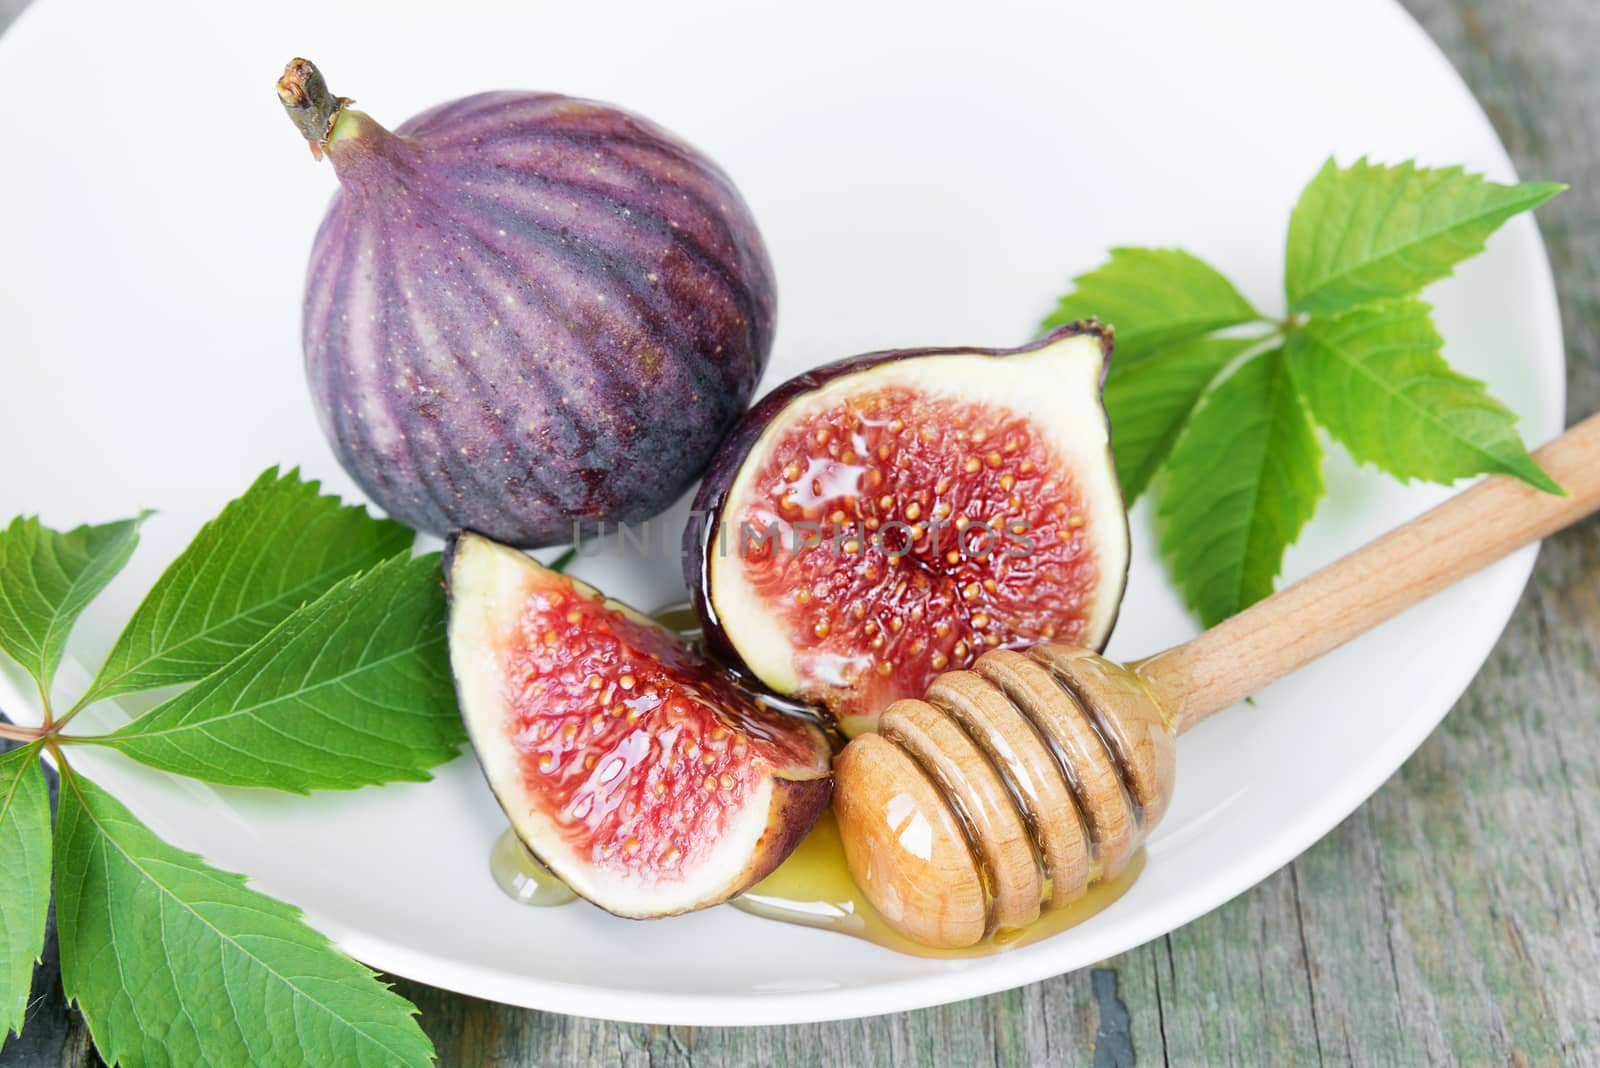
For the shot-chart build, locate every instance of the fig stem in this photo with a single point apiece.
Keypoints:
(311, 107)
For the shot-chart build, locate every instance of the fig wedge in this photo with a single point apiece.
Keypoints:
(632, 768)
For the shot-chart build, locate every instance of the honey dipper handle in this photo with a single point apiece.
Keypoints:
(1352, 595)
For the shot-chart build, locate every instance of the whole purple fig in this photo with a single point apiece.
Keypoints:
(526, 314)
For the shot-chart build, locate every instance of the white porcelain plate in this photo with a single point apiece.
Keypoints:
(924, 175)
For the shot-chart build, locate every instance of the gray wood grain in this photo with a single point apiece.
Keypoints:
(1454, 918)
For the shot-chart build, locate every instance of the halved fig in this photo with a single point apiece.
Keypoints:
(632, 768)
(885, 518)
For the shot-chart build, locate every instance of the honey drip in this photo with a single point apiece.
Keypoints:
(813, 888)
(522, 877)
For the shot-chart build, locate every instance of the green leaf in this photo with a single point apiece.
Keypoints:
(1370, 232)
(47, 579)
(1374, 377)
(273, 549)
(1153, 297)
(1241, 483)
(24, 879)
(1150, 401)
(352, 690)
(176, 963)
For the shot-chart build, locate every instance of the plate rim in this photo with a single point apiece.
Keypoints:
(1042, 960)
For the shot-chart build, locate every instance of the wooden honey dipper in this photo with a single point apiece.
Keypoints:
(1015, 785)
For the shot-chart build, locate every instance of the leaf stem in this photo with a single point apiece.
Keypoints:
(21, 734)
(1289, 324)
(81, 739)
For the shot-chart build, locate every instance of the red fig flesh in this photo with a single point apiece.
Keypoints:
(631, 767)
(526, 313)
(883, 519)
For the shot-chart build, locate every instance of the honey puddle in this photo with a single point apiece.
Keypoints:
(813, 888)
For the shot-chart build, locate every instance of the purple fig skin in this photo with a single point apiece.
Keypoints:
(527, 315)
(705, 517)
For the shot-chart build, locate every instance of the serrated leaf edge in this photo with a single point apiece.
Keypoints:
(129, 732)
(27, 757)
(104, 686)
(1493, 464)
(1541, 192)
(241, 882)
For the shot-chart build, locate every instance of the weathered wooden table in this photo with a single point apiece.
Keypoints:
(1454, 918)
